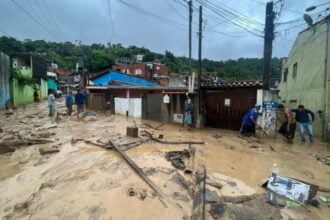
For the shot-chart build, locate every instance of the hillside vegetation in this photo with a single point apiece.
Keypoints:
(98, 57)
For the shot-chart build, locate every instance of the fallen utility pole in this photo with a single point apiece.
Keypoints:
(170, 142)
(198, 211)
(138, 170)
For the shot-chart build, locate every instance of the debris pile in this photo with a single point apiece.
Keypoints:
(177, 158)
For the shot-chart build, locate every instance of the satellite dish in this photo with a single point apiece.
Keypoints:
(308, 19)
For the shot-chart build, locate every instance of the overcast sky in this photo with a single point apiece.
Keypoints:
(91, 21)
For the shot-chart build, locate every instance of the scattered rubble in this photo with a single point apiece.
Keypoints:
(177, 158)
(324, 160)
(48, 150)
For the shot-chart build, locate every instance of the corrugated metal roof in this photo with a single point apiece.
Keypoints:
(235, 84)
(137, 87)
(122, 78)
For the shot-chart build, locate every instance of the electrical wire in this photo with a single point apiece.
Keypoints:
(111, 20)
(47, 19)
(229, 20)
(53, 19)
(156, 17)
(228, 16)
(33, 18)
(176, 11)
(7, 15)
(10, 23)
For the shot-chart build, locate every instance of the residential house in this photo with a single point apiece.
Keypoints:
(4, 79)
(68, 81)
(136, 97)
(28, 66)
(145, 70)
(306, 75)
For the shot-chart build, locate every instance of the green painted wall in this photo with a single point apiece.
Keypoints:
(43, 89)
(308, 87)
(21, 94)
(52, 84)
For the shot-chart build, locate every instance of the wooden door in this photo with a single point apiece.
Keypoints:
(225, 108)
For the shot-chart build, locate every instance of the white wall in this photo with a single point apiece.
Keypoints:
(133, 106)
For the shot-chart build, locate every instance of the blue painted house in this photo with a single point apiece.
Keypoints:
(111, 77)
(4, 79)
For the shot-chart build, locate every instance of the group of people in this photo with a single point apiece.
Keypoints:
(79, 99)
(301, 115)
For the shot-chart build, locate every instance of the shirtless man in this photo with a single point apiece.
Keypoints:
(288, 128)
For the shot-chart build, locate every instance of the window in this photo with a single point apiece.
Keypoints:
(285, 74)
(295, 67)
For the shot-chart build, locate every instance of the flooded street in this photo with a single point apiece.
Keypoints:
(84, 181)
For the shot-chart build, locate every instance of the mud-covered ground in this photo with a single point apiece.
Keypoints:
(83, 181)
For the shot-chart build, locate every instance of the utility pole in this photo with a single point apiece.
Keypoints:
(268, 44)
(190, 31)
(200, 67)
(200, 47)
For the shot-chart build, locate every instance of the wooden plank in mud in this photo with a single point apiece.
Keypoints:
(198, 211)
(138, 170)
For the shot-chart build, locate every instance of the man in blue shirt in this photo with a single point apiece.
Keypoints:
(302, 116)
(80, 101)
(250, 121)
(69, 101)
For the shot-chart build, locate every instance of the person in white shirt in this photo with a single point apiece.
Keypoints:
(51, 104)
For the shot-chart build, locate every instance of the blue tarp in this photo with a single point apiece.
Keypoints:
(122, 78)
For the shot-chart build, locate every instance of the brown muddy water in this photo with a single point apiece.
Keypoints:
(84, 181)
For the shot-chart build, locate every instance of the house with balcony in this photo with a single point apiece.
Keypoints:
(28, 72)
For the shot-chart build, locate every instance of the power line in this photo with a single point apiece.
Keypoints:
(216, 11)
(228, 16)
(10, 23)
(6, 14)
(111, 20)
(53, 19)
(180, 15)
(47, 18)
(159, 18)
(35, 20)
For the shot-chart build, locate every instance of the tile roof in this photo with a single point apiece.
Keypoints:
(235, 84)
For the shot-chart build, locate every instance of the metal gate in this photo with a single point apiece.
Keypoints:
(226, 108)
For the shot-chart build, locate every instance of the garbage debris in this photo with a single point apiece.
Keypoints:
(280, 187)
(177, 158)
(139, 193)
(325, 199)
(324, 160)
(132, 132)
(217, 210)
